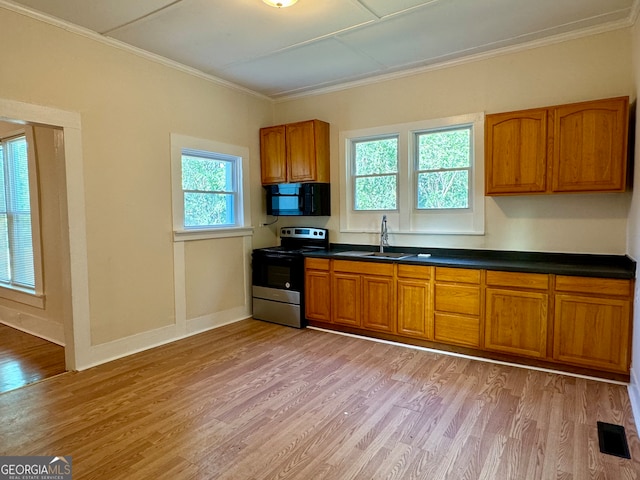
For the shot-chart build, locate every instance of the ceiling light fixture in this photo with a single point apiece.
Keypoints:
(280, 3)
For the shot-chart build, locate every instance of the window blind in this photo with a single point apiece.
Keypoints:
(16, 243)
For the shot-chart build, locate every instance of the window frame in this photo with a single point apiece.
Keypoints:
(239, 155)
(18, 293)
(408, 219)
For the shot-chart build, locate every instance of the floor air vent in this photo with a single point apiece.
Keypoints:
(613, 440)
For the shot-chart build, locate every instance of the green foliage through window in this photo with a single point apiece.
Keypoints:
(443, 168)
(210, 193)
(375, 174)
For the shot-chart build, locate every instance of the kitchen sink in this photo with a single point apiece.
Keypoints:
(359, 253)
(390, 255)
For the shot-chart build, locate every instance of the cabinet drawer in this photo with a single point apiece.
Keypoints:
(414, 271)
(459, 275)
(317, 263)
(536, 281)
(458, 299)
(457, 329)
(366, 268)
(596, 286)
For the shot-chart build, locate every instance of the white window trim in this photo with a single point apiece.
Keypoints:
(35, 297)
(242, 228)
(407, 219)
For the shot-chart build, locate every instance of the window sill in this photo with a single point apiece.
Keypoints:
(22, 296)
(204, 234)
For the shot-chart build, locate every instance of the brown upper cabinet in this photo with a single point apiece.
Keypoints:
(295, 152)
(580, 147)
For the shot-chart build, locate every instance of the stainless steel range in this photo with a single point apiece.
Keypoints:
(278, 275)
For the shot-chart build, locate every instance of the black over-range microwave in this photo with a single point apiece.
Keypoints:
(287, 199)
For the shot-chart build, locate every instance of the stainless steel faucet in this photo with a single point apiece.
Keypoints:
(384, 234)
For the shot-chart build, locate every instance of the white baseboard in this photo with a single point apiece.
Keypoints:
(107, 352)
(634, 397)
(33, 325)
(215, 320)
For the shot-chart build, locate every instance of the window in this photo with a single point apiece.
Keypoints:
(375, 174)
(427, 177)
(209, 188)
(443, 169)
(16, 238)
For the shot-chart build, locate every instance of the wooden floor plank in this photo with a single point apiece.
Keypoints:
(26, 359)
(258, 401)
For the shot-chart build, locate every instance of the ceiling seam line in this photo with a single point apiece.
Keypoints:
(146, 15)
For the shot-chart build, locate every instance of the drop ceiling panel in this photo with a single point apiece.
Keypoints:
(447, 29)
(97, 15)
(314, 64)
(211, 34)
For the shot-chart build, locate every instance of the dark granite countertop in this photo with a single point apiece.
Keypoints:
(585, 265)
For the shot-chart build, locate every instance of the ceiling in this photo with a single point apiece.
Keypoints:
(317, 44)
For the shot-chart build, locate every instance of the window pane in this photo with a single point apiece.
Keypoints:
(375, 193)
(19, 174)
(376, 156)
(449, 189)
(444, 149)
(5, 273)
(23, 273)
(3, 203)
(207, 209)
(205, 174)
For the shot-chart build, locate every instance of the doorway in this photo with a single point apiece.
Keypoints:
(34, 316)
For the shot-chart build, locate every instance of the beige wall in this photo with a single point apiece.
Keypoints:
(128, 107)
(633, 236)
(588, 68)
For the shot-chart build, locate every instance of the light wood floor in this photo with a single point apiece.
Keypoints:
(25, 359)
(254, 401)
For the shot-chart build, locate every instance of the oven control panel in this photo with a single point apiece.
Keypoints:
(303, 232)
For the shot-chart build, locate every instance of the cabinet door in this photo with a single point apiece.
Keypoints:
(378, 303)
(273, 165)
(414, 308)
(301, 152)
(592, 332)
(516, 152)
(318, 295)
(346, 297)
(516, 322)
(590, 146)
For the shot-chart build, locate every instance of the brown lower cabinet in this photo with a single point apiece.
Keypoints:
(457, 306)
(592, 322)
(516, 316)
(317, 287)
(415, 294)
(574, 321)
(363, 295)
